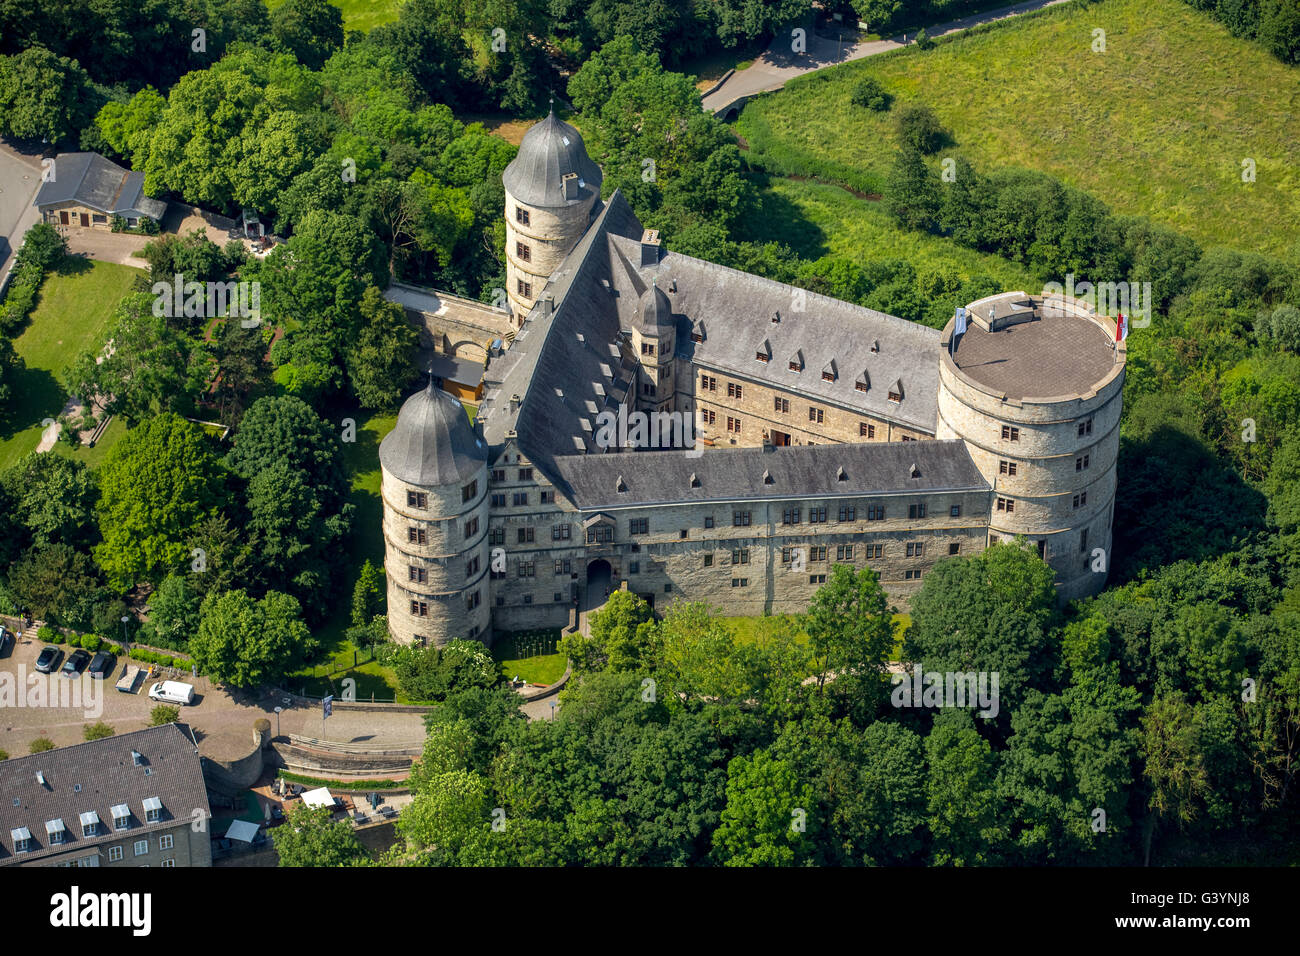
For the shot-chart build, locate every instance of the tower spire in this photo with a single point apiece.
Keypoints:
(429, 388)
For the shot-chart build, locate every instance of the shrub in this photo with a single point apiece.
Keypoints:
(162, 714)
(41, 744)
(919, 128)
(923, 39)
(92, 642)
(4, 755)
(870, 94)
(48, 635)
(73, 640)
(98, 731)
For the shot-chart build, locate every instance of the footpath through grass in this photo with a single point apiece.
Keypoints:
(72, 315)
(1157, 125)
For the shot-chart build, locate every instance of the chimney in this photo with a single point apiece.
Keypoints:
(571, 184)
(650, 247)
(545, 305)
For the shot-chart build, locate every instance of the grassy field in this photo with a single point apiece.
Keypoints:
(749, 629)
(1157, 125)
(360, 14)
(71, 316)
(524, 654)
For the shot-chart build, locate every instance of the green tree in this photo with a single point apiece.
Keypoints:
(246, 643)
(53, 498)
(157, 484)
(309, 29)
(44, 96)
(766, 820)
(163, 714)
(449, 821)
(962, 806)
(97, 731)
(850, 629)
(174, 608)
(911, 192)
(367, 594)
(309, 838)
(381, 365)
(623, 637)
(40, 745)
(57, 583)
(1173, 765)
(919, 129)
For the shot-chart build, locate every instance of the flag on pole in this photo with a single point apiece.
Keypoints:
(961, 321)
(1121, 328)
(327, 706)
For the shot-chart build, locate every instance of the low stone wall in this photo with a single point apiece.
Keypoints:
(231, 776)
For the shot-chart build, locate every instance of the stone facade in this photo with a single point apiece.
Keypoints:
(537, 240)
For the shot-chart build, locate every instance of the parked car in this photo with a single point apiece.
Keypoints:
(76, 663)
(172, 692)
(49, 660)
(101, 665)
(6, 640)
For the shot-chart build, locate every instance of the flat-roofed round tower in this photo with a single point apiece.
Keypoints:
(1034, 389)
(551, 188)
(434, 488)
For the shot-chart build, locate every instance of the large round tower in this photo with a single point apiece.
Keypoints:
(1033, 387)
(551, 188)
(435, 499)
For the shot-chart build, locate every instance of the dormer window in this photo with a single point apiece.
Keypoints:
(863, 382)
(764, 353)
(767, 478)
(830, 373)
(89, 823)
(896, 391)
(796, 362)
(152, 809)
(761, 356)
(22, 838)
(875, 345)
(695, 481)
(620, 486)
(121, 816)
(55, 831)
(697, 333)
(776, 318)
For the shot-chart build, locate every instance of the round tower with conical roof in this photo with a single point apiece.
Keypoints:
(435, 499)
(552, 187)
(654, 338)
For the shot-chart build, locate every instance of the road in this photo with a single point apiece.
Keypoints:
(20, 179)
(778, 65)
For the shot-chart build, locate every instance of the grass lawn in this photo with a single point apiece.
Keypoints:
(1157, 125)
(362, 15)
(529, 655)
(71, 316)
(750, 629)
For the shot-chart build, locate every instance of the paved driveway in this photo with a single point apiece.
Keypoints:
(20, 179)
(778, 65)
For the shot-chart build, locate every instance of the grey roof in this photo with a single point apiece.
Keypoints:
(97, 183)
(654, 312)
(796, 471)
(462, 371)
(433, 442)
(107, 777)
(550, 150)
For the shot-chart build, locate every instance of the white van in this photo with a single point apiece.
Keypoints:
(172, 692)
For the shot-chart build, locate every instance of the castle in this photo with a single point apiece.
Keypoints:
(817, 432)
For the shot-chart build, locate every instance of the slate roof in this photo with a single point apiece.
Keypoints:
(797, 471)
(97, 183)
(550, 150)
(107, 776)
(433, 442)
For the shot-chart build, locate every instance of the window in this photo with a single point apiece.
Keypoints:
(1083, 540)
(559, 596)
(780, 405)
(848, 513)
(740, 519)
(548, 497)
(522, 252)
(1085, 428)
(524, 288)
(895, 396)
(816, 515)
(417, 499)
(955, 511)
(520, 498)
(168, 862)
(875, 512)
(419, 609)
(733, 424)
(528, 599)
(708, 383)
(114, 854)
(562, 566)
(761, 356)
(472, 601)
(708, 559)
(647, 389)
(860, 385)
(828, 375)
(911, 575)
(740, 556)
(1081, 499)
(875, 550)
(708, 416)
(525, 474)
(817, 554)
(141, 847)
(527, 569)
(469, 492)
(526, 535)
(165, 841)
(708, 521)
(1007, 505)
(697, 336)
(647, 348)
(1010, 433)
(634, 567)
(816, 579)
(733, 390)
(815, 414)
(740, 582)
(471, 527)
(790, 516)
(499, 500)
(561, 532)
(152, 810)
(668, 588)
(1007, 468)
(419, 575)
(683, 534)
(638, 526)
(497, 536)
(915, 549)
(602, 534)
(866, 431)
(417, 536)
(498, 474)
(916, 510)
(844, 552)
(1080, 464)
(521, 216)
(472, 566)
